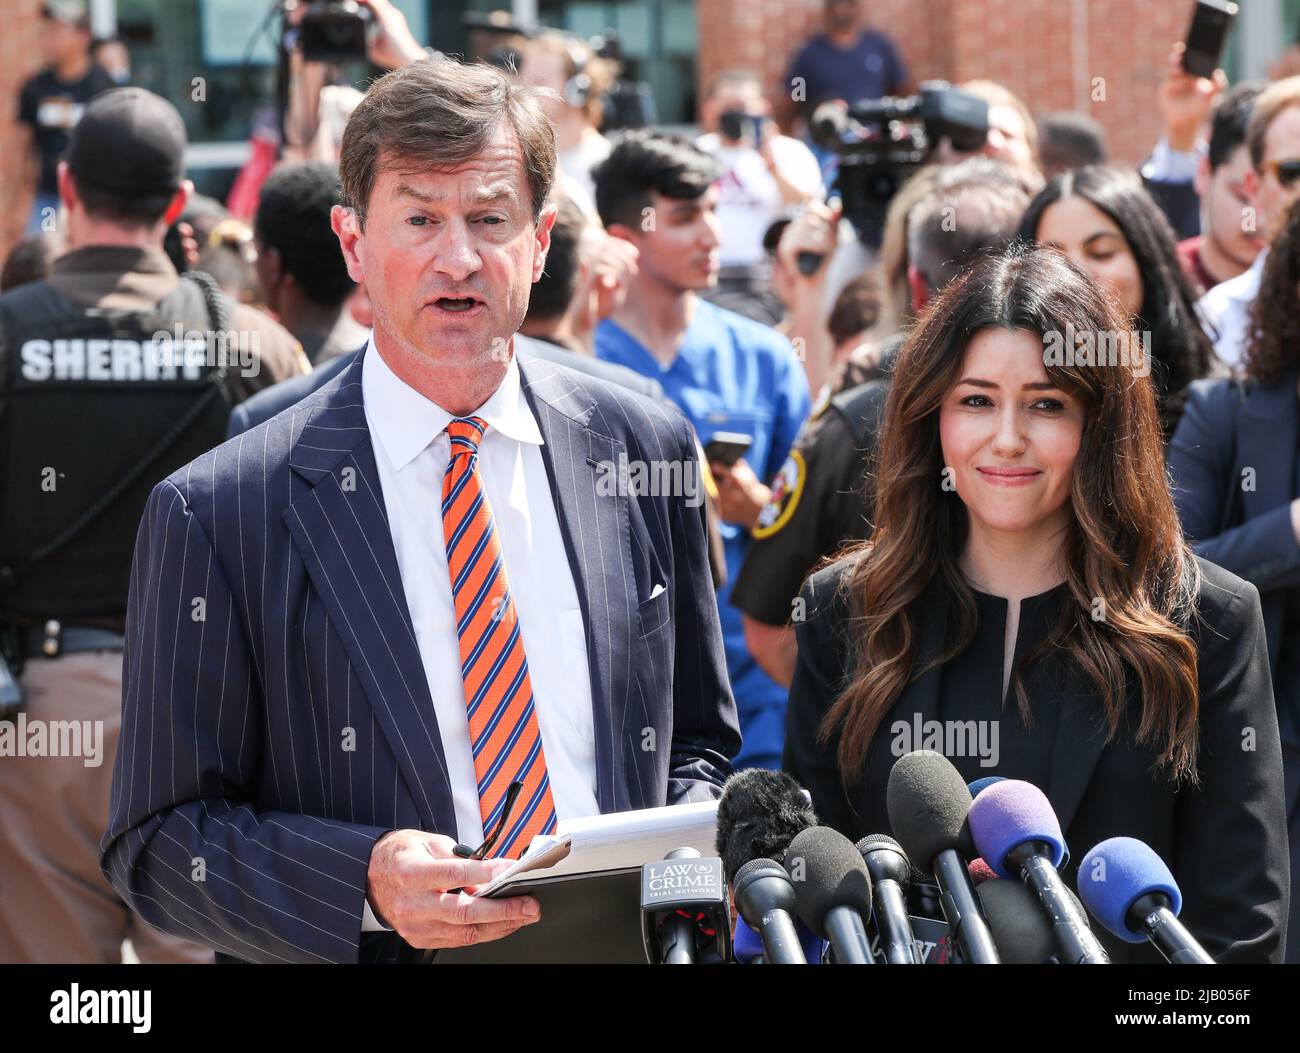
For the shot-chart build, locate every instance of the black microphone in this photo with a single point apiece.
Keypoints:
(1019, 929)
(764, 897)
(1131, 892)
(1018, 835)
(928, 805)
(759, 813)
(891, 872)
(684, 915)
(832, 891)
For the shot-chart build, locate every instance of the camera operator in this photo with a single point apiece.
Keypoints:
(578, 79)
(764, 173)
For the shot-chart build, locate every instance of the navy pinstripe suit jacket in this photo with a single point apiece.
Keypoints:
(276, 716)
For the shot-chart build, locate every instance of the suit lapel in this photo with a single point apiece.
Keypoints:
(1080, 738)
(340, 529)
(918, 702)
(595, 529)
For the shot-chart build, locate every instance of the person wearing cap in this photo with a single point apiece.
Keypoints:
(113, 372)
(52, 101)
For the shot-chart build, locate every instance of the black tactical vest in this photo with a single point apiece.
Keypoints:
(100, 406)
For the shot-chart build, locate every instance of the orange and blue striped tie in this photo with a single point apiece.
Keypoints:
(503, 730)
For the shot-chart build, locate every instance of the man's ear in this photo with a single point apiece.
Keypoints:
(1201, 181)
(178, 203)
(1250, 184)
(920, 289)
(272, 266)
(67, 187)
(621, 230)
(543, 235)
(347, 228)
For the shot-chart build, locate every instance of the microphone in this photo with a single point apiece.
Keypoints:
(928, 805)
(832, 891)
(980, 785)
(684, 915)
(1128, 888)
(1018, 835)
(747, 946)
(764, 897)
(980, 872)
(1019, 928)
(759, 813)
(890, 872)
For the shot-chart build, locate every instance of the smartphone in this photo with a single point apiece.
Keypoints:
(1211, 23)
(737, 124)
(727, 447)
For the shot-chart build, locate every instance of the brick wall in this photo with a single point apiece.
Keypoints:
(1035, 47)
(19, 59)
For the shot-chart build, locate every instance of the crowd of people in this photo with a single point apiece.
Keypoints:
(907, 504)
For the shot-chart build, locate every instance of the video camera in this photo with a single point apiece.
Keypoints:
(334, 31)
(880, 142)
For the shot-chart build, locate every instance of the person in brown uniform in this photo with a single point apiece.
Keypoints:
(114, 371)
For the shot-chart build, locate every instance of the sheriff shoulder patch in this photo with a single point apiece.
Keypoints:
(786, 491)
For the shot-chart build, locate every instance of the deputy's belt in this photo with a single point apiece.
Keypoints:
(54, 639)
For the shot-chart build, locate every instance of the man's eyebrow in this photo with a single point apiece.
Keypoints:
(410, 191)
(1038, 385)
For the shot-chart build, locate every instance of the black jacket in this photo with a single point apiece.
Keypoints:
(1229, 427)
(1225, 842)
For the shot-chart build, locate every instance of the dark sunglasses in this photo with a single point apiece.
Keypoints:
(1286, 172)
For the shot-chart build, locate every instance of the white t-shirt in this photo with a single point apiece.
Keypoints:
(749, 199)
(576, 165)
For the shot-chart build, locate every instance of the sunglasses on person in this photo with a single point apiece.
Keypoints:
(1285, 172)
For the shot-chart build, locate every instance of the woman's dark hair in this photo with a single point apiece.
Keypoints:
(1179, 347)
(1123, 551)
(1273, 337)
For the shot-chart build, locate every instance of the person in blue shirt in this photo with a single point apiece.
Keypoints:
(844, 61)
(726, 372)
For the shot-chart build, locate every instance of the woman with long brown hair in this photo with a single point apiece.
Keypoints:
(1235, 463)
(1028, 606)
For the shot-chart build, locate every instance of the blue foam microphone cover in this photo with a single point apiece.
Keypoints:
(1008, 814)
(1116, 873)
(980, 785)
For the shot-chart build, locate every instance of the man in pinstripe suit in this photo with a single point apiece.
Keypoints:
(355, 627)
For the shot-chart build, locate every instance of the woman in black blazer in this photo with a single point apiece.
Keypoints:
(1024, 527)
(1235, 466)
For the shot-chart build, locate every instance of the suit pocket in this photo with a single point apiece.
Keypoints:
(654, 613)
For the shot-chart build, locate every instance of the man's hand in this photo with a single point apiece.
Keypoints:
(604, 276)
(740, 494)
(817, 230)
(1186, 101)
(410, 875)
(393, 46)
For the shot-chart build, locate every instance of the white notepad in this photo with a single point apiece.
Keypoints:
(607, 843)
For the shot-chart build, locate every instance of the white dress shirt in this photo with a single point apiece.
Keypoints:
(1225, 310)
(411, 453)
